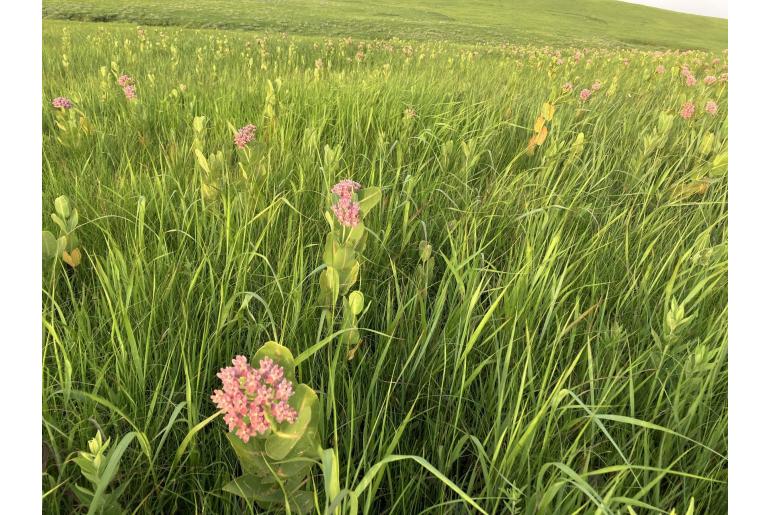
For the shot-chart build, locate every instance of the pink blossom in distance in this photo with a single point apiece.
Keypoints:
(688, 109)
(660, 69)
(708, 80)
(245, 135)
(129, 91)
(711, 107)
(61, 103)
(585, 94)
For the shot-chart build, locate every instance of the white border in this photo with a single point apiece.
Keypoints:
(749, 213)
(20, 166)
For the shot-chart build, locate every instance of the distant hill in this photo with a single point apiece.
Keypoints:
(555, 22)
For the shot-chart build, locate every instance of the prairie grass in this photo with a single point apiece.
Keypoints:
(567, 353)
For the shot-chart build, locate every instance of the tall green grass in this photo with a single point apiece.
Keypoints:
(541, 367)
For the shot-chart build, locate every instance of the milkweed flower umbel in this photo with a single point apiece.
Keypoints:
(346, 209)
(596, 86)
(245, 135)
(61, 103)
(567, 88)
(688, 109)
(250, 397)
(711, 107)
(690, 80)
(129, 91)
(708, 80)
(127, 83)
(346, 188)
(585, 94)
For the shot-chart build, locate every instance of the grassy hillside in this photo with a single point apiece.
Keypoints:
(581, 22)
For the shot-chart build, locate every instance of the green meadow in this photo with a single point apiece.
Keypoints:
(555, 22)
(542, 320)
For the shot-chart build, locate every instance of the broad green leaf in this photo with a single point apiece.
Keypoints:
(356, 237)
(348, 278)
(250, 487)
(341, 257)
(62, 206)
(299, 461)
(368, 198)
(351, 335)
(202, 161)
(280, 442)
(548, 111)
(330, 248)
(330, 286)
(356, 301)
(278, 353)
(60, 222)
(331, 472)
(61, 245)
(49, 245)
(250, 455)
(719, 165)
(72, 222)
(199, 123)
(286, 435)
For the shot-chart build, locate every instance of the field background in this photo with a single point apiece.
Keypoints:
(556, 22)
(568, 351)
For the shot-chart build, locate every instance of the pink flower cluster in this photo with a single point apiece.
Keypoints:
(249, 395)
(596, 86)
(61, 103)
(660, 69)
(130, 92)
(346, 209)
(127, 83)
(245, 135)
(708, 80)
(585, 94)
(711, 107)
(567, 87)
(688, 109)
(689, 78)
